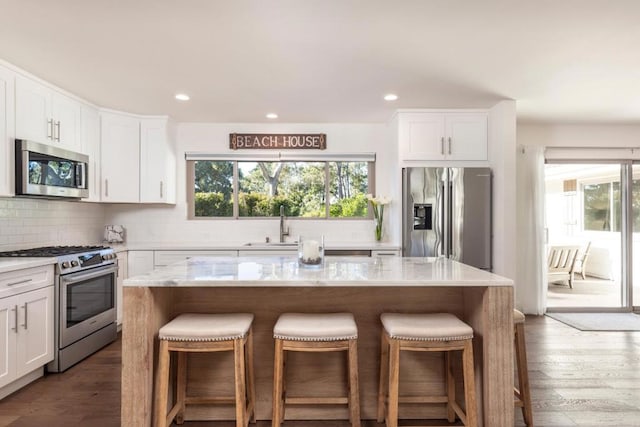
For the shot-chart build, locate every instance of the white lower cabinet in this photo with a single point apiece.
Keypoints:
(139, 262)
(162, 258)
(122, 274)
(26, 325)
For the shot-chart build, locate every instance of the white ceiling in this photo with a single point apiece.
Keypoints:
(333, 60)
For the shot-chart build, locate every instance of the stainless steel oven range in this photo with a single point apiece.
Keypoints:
(85, 300)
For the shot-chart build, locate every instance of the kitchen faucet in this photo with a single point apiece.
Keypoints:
(283, 231)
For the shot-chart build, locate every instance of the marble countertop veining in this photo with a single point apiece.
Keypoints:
(277, 271)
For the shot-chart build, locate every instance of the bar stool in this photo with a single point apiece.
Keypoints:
(522, 392)
(438, 332)
(321, 332)
(200, 333)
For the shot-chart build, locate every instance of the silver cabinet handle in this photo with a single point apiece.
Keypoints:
(161, 192)
(25, 325)
(449, 145)
(106, 188)
(57, 133)
(50, 129)
(442, 145)
(15, 311)
(19, 282)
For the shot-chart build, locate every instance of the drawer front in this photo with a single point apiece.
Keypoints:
(28, 279)
(169, 257)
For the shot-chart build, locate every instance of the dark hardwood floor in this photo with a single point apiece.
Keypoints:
(577, 378)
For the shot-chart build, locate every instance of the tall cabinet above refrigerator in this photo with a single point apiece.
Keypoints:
(447, 212)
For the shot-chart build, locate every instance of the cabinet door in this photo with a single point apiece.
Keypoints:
(67, 117)
(35, 330)
(6, 132)
(8, 334)
(34, 120)
(91, 147)
(139, 262)
(122, 274)
(120, 157)
(466, 136)
(157, 163)
(422, 136)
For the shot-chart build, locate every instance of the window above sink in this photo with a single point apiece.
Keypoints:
(243, 187)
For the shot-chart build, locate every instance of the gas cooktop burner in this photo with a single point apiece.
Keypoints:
(51, 251)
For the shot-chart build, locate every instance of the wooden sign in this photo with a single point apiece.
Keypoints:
(280, 141)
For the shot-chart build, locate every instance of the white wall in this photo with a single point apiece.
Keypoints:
(575, 135)
(502, 158)
(27, 223)
(169, 224)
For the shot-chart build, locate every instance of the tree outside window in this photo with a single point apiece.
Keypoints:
(262, 187)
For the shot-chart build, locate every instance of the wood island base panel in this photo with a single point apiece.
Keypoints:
(366, 287)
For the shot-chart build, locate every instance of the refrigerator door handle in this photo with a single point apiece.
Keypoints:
(444, 219)
(452, 253)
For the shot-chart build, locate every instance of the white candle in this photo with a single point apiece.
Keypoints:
(310, 250)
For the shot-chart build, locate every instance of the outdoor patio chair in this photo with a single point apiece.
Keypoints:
(560, 263)
(580, 266)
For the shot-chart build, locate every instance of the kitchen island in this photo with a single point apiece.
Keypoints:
(367, 287)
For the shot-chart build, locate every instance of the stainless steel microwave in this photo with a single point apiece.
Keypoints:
(47, 171)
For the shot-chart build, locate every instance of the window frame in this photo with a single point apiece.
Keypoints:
(191, 158)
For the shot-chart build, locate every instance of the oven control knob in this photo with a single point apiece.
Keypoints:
(66, 264)
(75, 263)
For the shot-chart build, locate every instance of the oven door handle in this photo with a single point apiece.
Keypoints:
(78, 277)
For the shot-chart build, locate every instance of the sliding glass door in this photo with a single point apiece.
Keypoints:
(587, 235)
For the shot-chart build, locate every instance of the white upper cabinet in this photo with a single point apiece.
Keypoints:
(90, 145)
(443, 136)
(120, 158)
(6, 133)
(157, 162)
(46, 116)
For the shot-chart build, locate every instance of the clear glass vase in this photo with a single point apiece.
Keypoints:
(311, 251)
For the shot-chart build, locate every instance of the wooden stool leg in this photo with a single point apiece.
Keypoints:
(162, 385)
(384, 377)
(450, 384)
(523, 374)
(354, 392)
(240, 380)
(394, 379)
(181, 386)
(471, 406)
(277, 384)
(251, 379)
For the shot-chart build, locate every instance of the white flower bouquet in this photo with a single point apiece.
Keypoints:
(378, 204)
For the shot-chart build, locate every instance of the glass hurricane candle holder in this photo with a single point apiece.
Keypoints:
(311, 251)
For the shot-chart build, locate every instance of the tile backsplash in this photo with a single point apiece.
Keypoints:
(27, 223)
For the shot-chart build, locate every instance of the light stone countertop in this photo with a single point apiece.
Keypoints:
(278, 271)
(255, 245)
(19, 263)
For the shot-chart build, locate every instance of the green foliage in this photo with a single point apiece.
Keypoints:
(298, 186)
(212, 204)
(349, 207)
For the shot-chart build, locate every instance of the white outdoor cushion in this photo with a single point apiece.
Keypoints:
(206, 327)
(426, 327)
(316, 327)
(518, 317)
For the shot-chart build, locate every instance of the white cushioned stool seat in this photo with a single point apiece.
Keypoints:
(426, 327)
(518, 316)
(316, 327)
(206, 327)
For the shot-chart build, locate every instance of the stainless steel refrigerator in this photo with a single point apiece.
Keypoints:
(447, 212)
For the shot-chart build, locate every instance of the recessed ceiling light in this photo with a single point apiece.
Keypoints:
(390, 97)
(272, 116)
(182, 97)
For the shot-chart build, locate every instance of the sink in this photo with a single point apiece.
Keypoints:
(273, 244)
